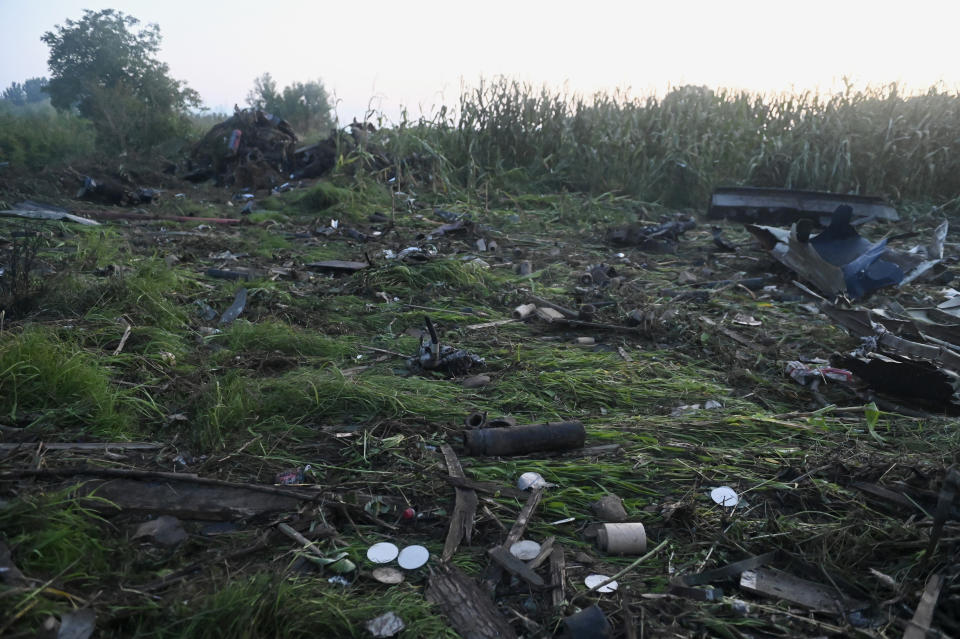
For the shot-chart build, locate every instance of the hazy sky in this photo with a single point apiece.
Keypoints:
(417, 52)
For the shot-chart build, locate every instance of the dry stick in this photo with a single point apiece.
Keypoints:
(622, 572)
(123, 340)
(520, 525)
(300, 539)
(383, 350)
(145, 474)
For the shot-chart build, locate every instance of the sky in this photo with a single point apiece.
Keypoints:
(418, 54)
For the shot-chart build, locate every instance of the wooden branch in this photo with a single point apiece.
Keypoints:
(520, 525)
(464, 510)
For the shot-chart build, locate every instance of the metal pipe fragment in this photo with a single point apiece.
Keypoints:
(525, 439)
(475, 420)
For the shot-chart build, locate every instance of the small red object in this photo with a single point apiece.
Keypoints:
(409, 513)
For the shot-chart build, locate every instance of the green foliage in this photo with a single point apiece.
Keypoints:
(41, 374)
(677, 148)
(266, 606)
(30, 92)
(306, 106)
(54, 532)
(322, 196)
(35, 136)
(110, 74)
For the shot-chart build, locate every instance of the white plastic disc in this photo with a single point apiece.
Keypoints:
(412, 557)
(382, 553)
(387, 575)
(725, 496)
(593, 580)
(525, 550)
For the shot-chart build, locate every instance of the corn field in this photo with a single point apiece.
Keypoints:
(675, 149)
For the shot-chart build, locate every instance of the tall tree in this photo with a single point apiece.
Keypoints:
(107, 70)
(305, 105)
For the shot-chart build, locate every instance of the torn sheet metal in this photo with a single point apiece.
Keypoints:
(838, 261)
(786, 206)
(781, 585)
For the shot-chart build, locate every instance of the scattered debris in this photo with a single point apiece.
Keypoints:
(530, 480)
(589, 623)
(434, 357)
(658, 237)
(387, 575)
(337, 266)
(34, 211)
(413, 557)
(386, 625)
(232, 313)
(609, 508)
(725, 496)
(383, 552)
(777, 584)
(601, 583)
(165, 530)
(525, 550)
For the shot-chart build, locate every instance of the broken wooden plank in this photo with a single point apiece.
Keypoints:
(339, 266)
(514, 566)
(520, 525)
(545, 549)
(464, 510)
(183, 500)
(468, 609)
(558, 576)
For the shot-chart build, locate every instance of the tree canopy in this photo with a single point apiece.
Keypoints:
(105, 67)
(306, 106)
(31, 91)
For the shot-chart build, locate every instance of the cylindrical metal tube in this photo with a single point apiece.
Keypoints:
(622, 539)
(476, 420)
(525, 439)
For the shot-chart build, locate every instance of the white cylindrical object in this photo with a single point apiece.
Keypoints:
(622, 539)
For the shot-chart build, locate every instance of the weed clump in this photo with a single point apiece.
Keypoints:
(46, 380)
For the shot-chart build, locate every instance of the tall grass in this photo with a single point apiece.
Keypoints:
(675, 149)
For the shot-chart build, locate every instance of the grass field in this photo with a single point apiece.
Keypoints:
(310, 375)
